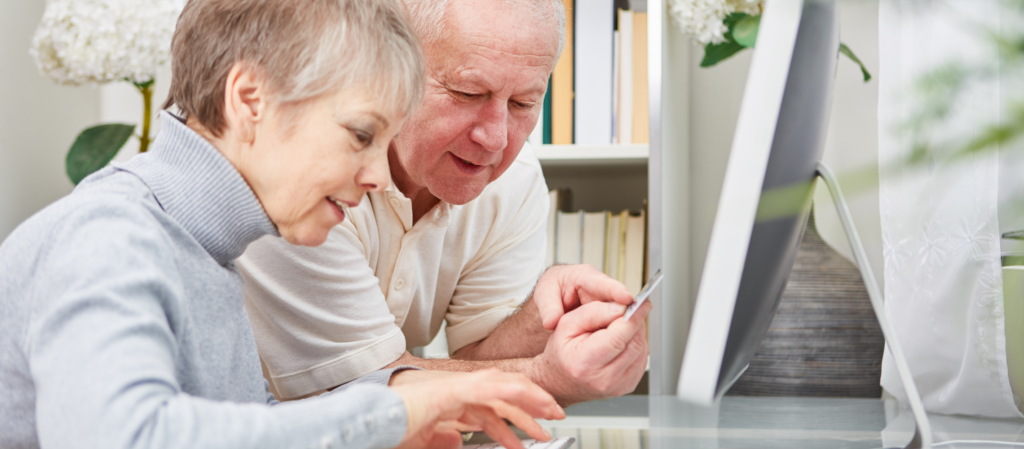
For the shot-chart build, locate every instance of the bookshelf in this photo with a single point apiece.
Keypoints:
(592, 155)
(601, 177)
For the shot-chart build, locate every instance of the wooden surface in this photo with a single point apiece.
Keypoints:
(824, 340)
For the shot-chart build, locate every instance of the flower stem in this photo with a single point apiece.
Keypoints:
(146, 89)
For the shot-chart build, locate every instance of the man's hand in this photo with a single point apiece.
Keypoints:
(563, 288)
(593, 353)
(438, 404)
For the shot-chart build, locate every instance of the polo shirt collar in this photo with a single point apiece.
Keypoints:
(439, 216)
(201, 190)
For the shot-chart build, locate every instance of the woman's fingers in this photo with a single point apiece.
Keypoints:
(515, 389)
(520, 419)
(479, 400)
(494, 426)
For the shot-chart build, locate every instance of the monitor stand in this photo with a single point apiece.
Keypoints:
(923, 432)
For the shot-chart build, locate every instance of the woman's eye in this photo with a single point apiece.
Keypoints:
(364, 138)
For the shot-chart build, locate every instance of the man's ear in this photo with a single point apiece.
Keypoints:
(245, 100)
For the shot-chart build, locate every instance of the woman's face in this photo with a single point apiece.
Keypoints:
(332, 154)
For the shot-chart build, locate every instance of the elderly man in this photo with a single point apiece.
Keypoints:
(457, 237)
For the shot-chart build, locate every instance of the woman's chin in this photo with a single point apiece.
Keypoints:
(306, 237)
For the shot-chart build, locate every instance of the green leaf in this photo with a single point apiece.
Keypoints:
(733, 18)
(715, 53)
(849, 54)
(94, 148)
(744, 31)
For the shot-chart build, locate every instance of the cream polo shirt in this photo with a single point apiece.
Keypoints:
(326, 315)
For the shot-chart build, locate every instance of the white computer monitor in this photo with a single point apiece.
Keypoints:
(766, 193)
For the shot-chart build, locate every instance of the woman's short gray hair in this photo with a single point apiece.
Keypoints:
(429, 22)
(305, 49)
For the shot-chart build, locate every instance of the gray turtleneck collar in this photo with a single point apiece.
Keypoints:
(201, 190)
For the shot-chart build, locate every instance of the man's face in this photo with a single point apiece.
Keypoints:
(485, 87)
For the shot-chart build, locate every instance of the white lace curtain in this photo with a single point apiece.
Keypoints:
(941, 218)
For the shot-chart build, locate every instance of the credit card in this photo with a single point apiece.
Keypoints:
(644, 293)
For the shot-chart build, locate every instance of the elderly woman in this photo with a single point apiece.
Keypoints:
(121, 310)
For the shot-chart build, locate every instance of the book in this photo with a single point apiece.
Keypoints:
(568, 237)
(624, 118)
(641, 112)
(594, 225)
(546, 115)
(616, 50)
(590, 438)
(613, 245)
(633, 252)
(558, 200)
(592, 47)
(562, 87)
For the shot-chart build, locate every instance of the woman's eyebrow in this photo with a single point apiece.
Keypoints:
(376, 116)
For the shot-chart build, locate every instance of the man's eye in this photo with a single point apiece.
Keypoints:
(467, 95)
(521, 105)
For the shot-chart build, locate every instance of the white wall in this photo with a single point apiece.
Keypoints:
(38, 120)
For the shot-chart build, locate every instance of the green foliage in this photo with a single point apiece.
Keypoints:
(715, 53)
(849, 54)
(94, 148)
(742, 33)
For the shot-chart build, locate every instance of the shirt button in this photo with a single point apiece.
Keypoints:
(327, 443)
(399, 284)
(395, 414)
(347, 434)
(394, 202)
(370, 424)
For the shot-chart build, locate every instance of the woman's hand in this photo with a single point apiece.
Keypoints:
(438, 404)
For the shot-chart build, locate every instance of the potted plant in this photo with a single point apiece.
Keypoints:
(97, 42)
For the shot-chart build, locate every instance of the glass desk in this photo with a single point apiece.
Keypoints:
(663, 422)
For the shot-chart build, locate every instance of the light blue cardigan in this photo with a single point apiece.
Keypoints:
(122, 320)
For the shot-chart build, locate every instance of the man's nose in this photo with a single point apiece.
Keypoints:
(375, 176)
(491, 128)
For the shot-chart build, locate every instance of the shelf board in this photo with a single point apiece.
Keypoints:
(591, 155)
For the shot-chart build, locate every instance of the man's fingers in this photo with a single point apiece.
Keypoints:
(565, 287)
(642, 312)
(547, 296)
(598, 286)
(634, 358)
(606, 336)
(591, 317)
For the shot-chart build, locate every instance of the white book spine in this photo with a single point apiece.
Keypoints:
(616, 51)
(624, 120)
(593, 72)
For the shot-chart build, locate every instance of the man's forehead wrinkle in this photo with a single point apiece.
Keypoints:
(476, 46)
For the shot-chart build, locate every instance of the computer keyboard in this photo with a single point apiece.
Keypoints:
(557, 443)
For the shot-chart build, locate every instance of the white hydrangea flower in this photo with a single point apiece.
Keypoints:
(702, 19)
(82, 41)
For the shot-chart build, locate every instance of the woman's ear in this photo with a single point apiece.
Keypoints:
(245, 97)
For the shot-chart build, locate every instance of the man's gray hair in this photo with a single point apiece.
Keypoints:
(429, 22)
(304, 49)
